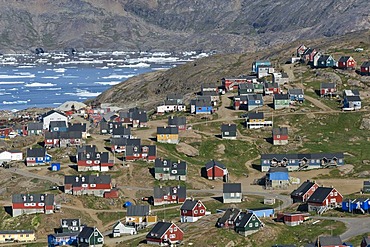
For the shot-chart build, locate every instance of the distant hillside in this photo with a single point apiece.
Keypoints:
(151, 88)
(224, 25)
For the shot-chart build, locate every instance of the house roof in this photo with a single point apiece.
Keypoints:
(365, 64)
(190, 204)
(35, 126)
(87, 149)
(254, 97)
(344, 59)
(102, 156)
(87, 232)
(228, 128)
(78, 180)
(201, 102)
(58, 124)
(67, 106)
(327, 85)
(277, 169)
(256, 115)
(320, 194)
(138, 210)
(281, 96)
(324, 57)
(36, 152)
(302, 156)
(159, 192)
(303, 188)
(367, 183)
(77, 127)
(159, 229)
(232, 188)
(245, 86)
(213, 163)
(51, 112)
(177, 121)
(230, 214)
(295, 91)
(280, 131)
(353, 98)
(271, 85)
(171, 102)
(120, 130)
(241, 97)
(125, 141)
(51, 135)
(69, 222)
(179, 166)
(48, 199)
(244, 218)
(330, 240)
(167, 130)
(70, 135)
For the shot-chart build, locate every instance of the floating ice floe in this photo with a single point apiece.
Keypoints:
(39, 84)
(118, 76)
(11, 82)
(110, 83)
(17, 76)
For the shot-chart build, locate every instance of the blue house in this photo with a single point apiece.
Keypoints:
(262, 212)
(326, 61)
(258, 63)
(200, 106)
(55, 167)
(37, 156)
(277, 177)
(301, 161)
(254, 101)
(296, 95)
(357, 205)
(58, 126)
(62, 239)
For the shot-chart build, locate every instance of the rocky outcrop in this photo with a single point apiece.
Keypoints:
(225, 25)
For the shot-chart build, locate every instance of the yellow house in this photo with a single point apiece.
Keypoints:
(140, 214)
(168, 135)
(8, 236)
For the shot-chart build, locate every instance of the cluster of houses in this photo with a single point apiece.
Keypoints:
(317, 59)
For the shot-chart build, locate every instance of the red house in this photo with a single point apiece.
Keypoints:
(93, 161)
(346, 62)
(5, 131)
(96, 185)
(328, 89)
(293, 219)
(230, 84)
(32, 204)
(169, 195)
(271, 88)
(365, 68)
(304, 191)
(216, 170)
(138, 152)
(324, 198)
(165, 234)
(114, 193)
(280, 136)
(300, 50)
(192, 211)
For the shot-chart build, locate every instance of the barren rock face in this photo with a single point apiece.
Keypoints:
(224, 25)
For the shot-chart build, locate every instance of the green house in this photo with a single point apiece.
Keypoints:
(326, 61)
(165, 169)
(281, 101)
(258, 87)
(90, 237)
(247, 223)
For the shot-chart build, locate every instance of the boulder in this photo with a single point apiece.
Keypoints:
(187, 149)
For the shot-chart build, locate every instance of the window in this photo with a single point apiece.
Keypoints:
(237, 194)
(227, 133)
(335, 193)
(175, 229)
(250, 224)
(92, 185)
(202, 211)
(174, 171)
(256, 224)
(88, 161)
(165, 197)
(277, 136)
(195, 211)
(173, 236)
(184, 211)
(232, 194)
(100, 240)
(95, 234)
(258, 101)
(173, 197)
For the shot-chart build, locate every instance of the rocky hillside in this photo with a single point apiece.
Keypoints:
(150, 89)
(225, 25)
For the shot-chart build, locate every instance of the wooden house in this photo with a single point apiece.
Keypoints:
(140, 152)
(280, 78)
(90, 237)
(165, 169)
(247, 224)
(201, 106)
(328, 89)
(293, 219)
(277, 177)
(32, 204)
(232, 193)
(365, 68)
(228, 131)
(330, 241)
(96, 185)
(17, 236)
(271, 88)
(168, 135)
(176, 121)
(324, 198)
(119, 228)
(240, 102)
(51, 116)
(296, 95)
(351, 100)
(216, 170)
(346, 62)
(326, 61)
(301, 161)
(140, 215)
(169, 195)
(229, 84)
(244, 89)
(93, 161)
(118, 145)
(300, 50)
(165, 234)
(119, 131)
(280, 136)
(365, 242)
(254, 101)
(34, 129)
(256, 120)
(258, 63)
(228, 218)
(304, 191)
(192, 210)
(37, 156)
(361, 205)
(281, 101)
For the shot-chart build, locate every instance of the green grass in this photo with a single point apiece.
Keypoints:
(356, 241)
(107, 217)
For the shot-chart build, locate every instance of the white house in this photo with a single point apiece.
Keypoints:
(11, 156)
(53, 116)
(119, 228)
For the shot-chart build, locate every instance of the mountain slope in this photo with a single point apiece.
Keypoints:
(226, 25)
